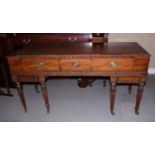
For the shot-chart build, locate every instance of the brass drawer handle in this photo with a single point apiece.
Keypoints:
(72, 39)
(69, 38)
(113, 64)
(75, 64)
(75, 38)
(39, 64)
(26, 41)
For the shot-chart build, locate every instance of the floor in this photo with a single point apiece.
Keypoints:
(69, 103)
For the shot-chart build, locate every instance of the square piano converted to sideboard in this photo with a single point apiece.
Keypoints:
(123, 62)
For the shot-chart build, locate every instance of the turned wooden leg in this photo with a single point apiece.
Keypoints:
(45, 95)
(130, 88)
(36, 88)
(139, 97)
(21, 95)
(112, 96)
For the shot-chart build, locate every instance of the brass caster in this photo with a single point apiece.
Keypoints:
(112, 112)
(137, 112)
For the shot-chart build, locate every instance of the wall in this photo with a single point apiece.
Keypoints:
(146, 40)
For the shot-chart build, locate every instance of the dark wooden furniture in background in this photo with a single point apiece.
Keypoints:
(4, 52)
(122, 62)
(4, 76)
(15, 41)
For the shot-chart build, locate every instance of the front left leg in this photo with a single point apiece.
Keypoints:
(21, 95)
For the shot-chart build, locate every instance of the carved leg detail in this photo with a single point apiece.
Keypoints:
(112, 96)
(36, 88)
(139, 97)
(21, 95)
(130, 89)
(45, 95)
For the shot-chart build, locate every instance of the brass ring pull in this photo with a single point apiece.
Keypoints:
(75, 64)
(39, 64)
(26, 41)
(113, 64)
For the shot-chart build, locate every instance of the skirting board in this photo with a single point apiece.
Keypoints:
(151, 70)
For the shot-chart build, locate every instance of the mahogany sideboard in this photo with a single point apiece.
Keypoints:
(122, 62)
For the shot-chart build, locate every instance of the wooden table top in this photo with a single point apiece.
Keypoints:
(112, 48)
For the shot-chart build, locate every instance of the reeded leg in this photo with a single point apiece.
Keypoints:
(21, 95)
(112, 96)
(36, 88)
(45, 95)
(130, 89)
(139, 97)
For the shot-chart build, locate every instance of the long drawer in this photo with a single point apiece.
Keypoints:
(24, 39)
(34, 64)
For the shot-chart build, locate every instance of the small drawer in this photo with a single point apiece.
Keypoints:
(42, 63)
(113, 64)
(128, 79)
(76, 64)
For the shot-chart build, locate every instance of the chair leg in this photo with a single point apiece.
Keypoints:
(91, 80)
(130, 89)
(104, 83)
(36, 88)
